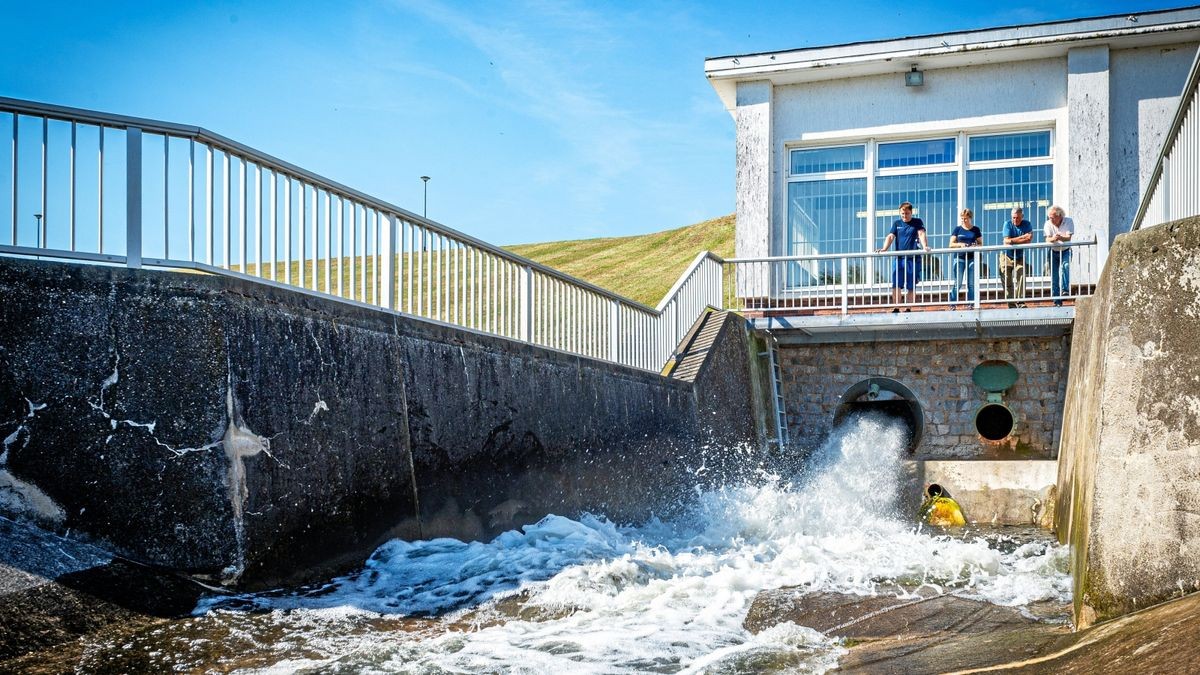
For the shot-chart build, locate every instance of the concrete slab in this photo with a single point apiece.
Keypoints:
(1001, 492)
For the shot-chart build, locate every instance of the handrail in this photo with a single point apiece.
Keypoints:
(396, 259)
(871, 281)
(687, 273)
(115, 121)
(893, 253)
(1187, 99)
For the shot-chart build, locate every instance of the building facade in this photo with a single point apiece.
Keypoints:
(831, 139)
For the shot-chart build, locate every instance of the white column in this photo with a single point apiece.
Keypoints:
(1088, 126)
(755, 171)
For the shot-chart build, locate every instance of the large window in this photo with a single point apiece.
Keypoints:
(828, 188)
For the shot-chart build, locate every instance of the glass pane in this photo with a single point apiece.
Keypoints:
(827, 216)
(1010, 146)
(821, 160)
(916, 153)
(935, 201)
(993, 193)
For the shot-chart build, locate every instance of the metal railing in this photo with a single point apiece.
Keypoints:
(1174, 188)
(985, 277)
(97, 187)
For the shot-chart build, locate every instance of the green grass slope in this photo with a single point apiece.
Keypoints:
(642, 267)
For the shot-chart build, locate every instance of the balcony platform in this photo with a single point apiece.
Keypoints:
(922, 323)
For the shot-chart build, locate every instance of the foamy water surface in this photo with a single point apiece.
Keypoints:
(588, 596)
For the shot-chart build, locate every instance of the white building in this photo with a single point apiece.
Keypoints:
(831, 139)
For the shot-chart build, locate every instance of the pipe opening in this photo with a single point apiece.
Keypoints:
(994, 421)
(884, 396)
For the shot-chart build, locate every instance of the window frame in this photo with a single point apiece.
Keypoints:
(871, 171)
(961, 164)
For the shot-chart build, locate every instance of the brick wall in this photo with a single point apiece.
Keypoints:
(939, 373)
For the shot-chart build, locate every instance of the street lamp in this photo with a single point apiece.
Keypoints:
(425, 206)
(39, 229)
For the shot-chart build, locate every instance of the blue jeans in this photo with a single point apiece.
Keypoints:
(1060, 274)
(963, 266)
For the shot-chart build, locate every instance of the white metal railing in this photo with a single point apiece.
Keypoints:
(97, 187)
(1174, 188)
(844, 283)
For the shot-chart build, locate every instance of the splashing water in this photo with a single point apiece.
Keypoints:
(589, 596)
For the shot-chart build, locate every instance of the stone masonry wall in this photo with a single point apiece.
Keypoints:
(939, 373)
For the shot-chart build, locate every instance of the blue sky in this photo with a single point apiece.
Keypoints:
(537, 120)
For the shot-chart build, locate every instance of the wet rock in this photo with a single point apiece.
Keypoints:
(928, 633)
(891, 614)
(54, 590)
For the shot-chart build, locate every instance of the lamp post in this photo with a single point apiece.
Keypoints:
(39, 229)
(425, 205)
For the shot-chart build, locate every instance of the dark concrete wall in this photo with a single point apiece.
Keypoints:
(260, 436)
(1129, 470)
(503, 433)
(716, 356)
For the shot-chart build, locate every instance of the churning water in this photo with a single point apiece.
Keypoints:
(588, 596)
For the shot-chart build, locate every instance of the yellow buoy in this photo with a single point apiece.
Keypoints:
(939, 508)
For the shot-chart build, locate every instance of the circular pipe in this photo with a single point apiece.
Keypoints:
(995, 422)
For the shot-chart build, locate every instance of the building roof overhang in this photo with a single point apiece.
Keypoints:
(950, 50)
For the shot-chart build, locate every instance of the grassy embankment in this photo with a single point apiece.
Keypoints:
(641, 267)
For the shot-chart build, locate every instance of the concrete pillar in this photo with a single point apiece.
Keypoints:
(1088, 143)
(752, 118)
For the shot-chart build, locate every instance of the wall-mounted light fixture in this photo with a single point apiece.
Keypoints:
(914, 78)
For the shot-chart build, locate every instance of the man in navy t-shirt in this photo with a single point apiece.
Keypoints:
(1012, 261)
(909, 235)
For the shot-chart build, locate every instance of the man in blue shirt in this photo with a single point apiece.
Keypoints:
(909, 235)
(1012, 261)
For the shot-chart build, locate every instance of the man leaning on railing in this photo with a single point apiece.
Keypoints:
(909, 235)
(1058, 229)
(1012, 261)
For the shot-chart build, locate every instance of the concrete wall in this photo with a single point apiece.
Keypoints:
(938, 372)
(1143, 95)
(259, 436)
(1129, 469)
(998, 492)
(853, 109)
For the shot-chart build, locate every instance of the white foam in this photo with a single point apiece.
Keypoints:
(672, 596)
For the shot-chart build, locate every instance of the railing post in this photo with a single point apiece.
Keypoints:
(677, 334)
(1164, 180)
(614, 338)
(526, 295)
(389, 262)
(133, 196)
(845, 286)
(975, 273)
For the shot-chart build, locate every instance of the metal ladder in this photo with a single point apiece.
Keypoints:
(777, 394)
